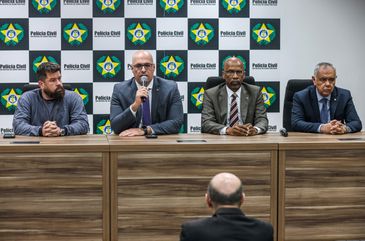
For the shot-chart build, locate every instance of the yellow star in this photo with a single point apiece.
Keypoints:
(108, 4)
(106, 128)
(201, 33)
(75, 33)
(171, 4)
(11, 34)
(170, 62)
(233, 4)
(267, 96)
(108, 66)
(139, 33)
(78, 92)
(44, 60)
(11, 99)
(263, 33)
(44, 4)
(199, 97)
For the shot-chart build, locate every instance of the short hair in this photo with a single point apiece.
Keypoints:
(47, 67)
(223, 199)
(323, 64)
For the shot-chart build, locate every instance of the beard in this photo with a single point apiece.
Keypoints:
(58, 94)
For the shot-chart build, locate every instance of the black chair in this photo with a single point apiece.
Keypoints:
(216, 80)
(32, 86)
(292, 86)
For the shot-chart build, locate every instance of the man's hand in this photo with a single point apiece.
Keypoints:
(50, 129)
(132, 132)
(141, 92)
(334, 127)
(241, 130)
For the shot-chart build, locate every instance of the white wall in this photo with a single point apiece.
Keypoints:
(313, 31)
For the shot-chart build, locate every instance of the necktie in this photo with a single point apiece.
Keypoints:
(324, 110)
(233, 116)
(146, 114)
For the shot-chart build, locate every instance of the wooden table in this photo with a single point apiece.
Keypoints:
(57, 189)
(157, 184)
(322, 187)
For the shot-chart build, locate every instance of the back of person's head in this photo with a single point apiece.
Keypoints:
(47, 67)
(225, 189)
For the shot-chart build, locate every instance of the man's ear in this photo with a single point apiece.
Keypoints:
(243, 196)
(40, 84)
(208, 201)
(314, 80)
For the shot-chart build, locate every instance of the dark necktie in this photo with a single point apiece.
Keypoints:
(233, 116)
(324, 110)
(146, 113)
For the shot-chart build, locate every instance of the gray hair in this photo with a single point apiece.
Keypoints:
(324, 65)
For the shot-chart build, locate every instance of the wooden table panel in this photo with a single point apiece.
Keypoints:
(154, 191)
(322, 190)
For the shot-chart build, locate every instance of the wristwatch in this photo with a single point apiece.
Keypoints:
(62, 132)
(145, 130)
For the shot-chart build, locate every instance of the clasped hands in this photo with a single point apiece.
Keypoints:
(334, 127)
(50, 129)
(241, 130)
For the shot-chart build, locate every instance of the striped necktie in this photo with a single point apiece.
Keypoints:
(233, 116)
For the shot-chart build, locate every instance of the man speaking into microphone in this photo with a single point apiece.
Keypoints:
(145, 104)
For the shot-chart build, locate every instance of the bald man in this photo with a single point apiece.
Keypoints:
(234, 107)
(145, 104)
(225, 197)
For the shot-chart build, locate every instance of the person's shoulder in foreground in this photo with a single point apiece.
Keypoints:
(145, 104)
(225, 197)
(323, 107)
(234, 108)
(50, 110)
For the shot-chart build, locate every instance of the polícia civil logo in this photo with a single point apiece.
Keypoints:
(75, 33)
(239, 57)
(42, 59)
(263, 33)
(171, 6)
(201, 33)
(139, 33)
(234, 6)
(108, 66)
(104, 127)
(269, 96)
(172, 66)
(10, 97)
(197, 96)
(83, 94)
(108, 6)
(11, 34)
(44, 6)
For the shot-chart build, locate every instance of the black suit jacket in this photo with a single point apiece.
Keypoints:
(227, 224)
(306, 113)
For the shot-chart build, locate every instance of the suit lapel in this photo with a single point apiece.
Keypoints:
(155, 99)
(244, 103)
(333, 103)
(222, 102)
(314, 103)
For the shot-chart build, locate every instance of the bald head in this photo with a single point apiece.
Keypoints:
(142, 54)
(232, 60)
(225, 189)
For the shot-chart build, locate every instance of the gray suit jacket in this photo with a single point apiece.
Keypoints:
(214, 113)
(166, 112)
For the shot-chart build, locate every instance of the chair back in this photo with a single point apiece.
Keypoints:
(293, 85)
(216, 80)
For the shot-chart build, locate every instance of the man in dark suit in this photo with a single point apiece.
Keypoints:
(224, 197)
(323, 107)
(145, 104)
(234, 108)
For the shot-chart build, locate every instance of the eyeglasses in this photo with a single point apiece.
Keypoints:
(147, 66)
(324, 80)
(232, 72)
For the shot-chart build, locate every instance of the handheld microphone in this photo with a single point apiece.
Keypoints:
(283, 132)
(144, 81)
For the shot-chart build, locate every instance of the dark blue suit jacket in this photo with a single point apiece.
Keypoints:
(306, 113)
(227, 224)
(166, 111)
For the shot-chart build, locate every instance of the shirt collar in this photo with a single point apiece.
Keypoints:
(230, 92)
(320, 97)
(150, 85)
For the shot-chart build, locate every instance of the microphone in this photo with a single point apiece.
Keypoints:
(283, 132)
(144, 81)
